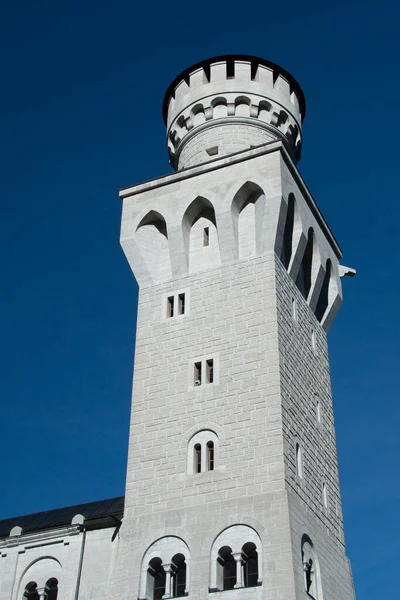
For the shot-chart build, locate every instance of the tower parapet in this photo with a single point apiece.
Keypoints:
(231, 103)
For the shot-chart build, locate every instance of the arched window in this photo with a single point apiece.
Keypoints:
(299, 460)
(51, 589)
(210, 456)
(197, 458)
(202, 452)
(311, 571)
(250, 565)
(36, 583)
(31, 591)
(179, 576)
(156, 576)
(165, 569)
(226, 569)
(234, 564)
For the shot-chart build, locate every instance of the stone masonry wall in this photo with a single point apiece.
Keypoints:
(229, 138)
(232, 318)
(304, 372)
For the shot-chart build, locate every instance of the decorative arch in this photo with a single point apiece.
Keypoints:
(165, 569)
(242, 106)
(152, 240)
(197, 114)
(208, 425)
(220, 107)
(264, 111)
(200, 235)
(248, 207)
(236, 558)
(311, 569)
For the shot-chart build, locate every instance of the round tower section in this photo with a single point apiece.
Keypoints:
(228, 104)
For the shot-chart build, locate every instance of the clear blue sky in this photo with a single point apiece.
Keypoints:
(80, 111)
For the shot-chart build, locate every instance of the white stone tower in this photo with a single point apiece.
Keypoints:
(232, 483)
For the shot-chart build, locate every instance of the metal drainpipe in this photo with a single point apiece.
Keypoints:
(78, 580)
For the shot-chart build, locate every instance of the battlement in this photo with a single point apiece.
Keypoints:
(231, 103)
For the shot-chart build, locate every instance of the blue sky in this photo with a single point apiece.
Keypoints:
(80, 113)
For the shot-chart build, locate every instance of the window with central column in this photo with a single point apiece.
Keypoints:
(235, 564)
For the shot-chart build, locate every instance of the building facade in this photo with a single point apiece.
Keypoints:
(232, 484)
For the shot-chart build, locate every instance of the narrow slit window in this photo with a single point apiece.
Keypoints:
(210, 370)
(299, 461)
(181, 304)
(170, 306)
(325, 495)
(294, 309)
(313, 340)
(318, 411)
(197, 458)
(210, 456)
(206, 236)
(197, 373)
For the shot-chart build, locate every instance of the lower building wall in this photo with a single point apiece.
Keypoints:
(41, 556)
(263, 517)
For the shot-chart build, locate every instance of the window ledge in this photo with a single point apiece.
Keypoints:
(250, 587)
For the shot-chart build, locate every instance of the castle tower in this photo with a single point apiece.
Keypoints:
(232, 483)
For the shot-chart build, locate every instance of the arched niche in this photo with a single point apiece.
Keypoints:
(310, 264)
(200, 235)
(327, 294)
(152, 240)
(292, 232)
(248, 208)
(330, 298)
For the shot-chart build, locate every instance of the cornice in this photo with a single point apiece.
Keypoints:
(236, 158)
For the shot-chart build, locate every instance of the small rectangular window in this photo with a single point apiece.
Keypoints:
(170, 306)
(197, 373)
(212, 151)
(206, 236)
(181, 304)
(210, 370)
